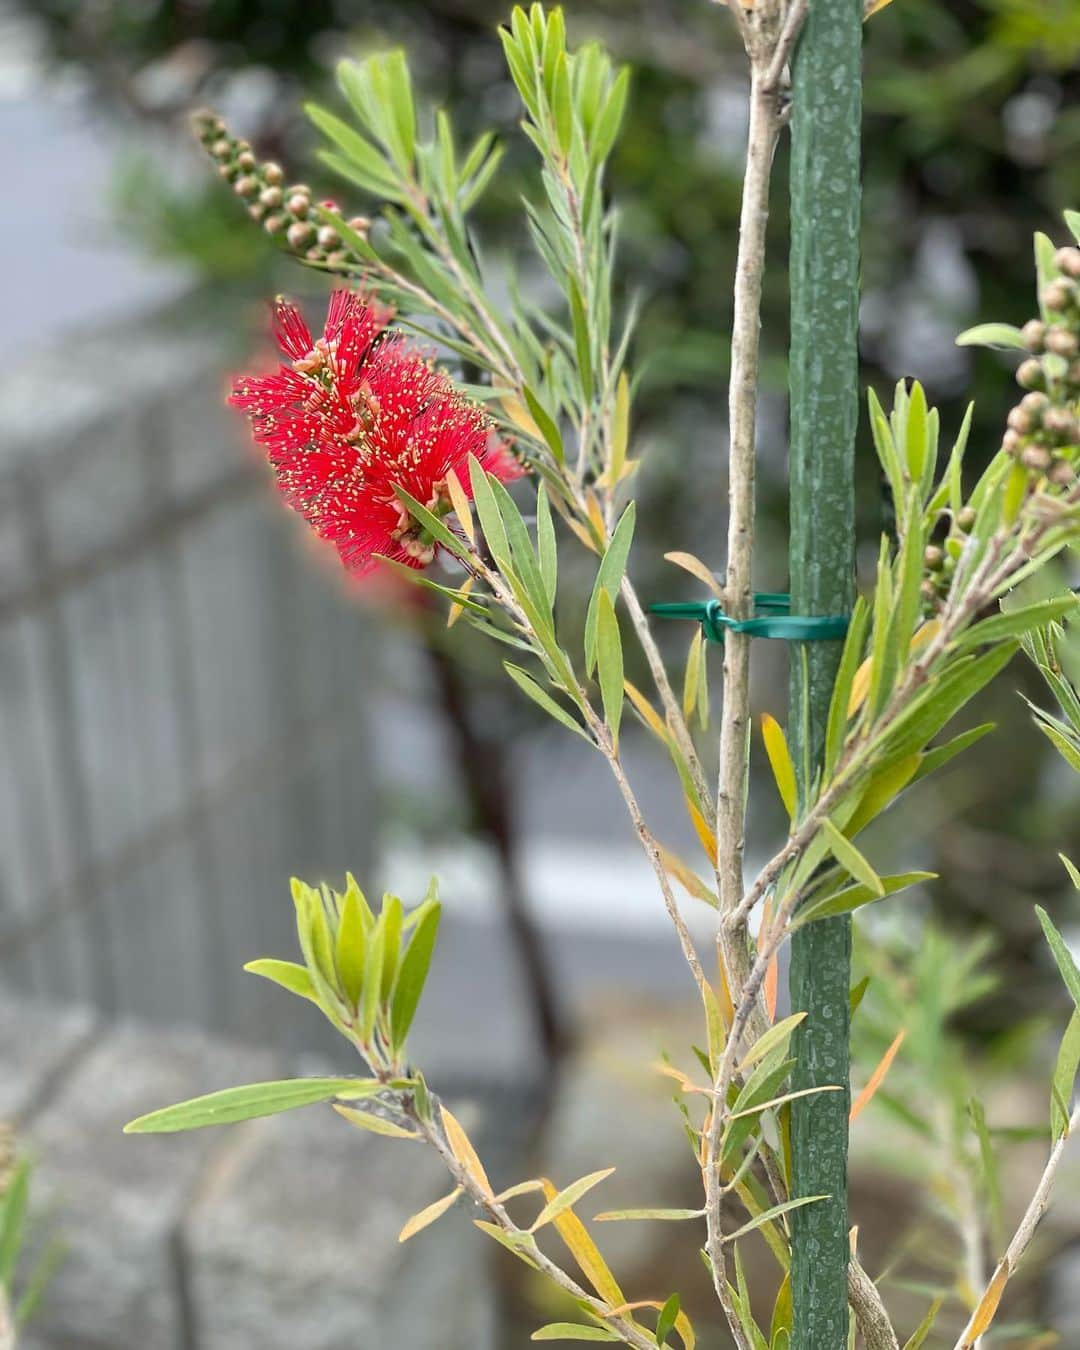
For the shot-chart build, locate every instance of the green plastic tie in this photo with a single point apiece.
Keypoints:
(772, 619)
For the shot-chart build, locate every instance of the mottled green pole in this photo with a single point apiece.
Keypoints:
(825, 138)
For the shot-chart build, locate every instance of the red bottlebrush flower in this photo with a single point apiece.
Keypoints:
(357, 413)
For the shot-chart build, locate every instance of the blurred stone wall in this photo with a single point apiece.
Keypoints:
(181, 691)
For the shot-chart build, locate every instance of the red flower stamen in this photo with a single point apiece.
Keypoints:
(357, 413)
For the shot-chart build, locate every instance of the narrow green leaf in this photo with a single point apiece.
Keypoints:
(367, 1120)
(663, 1215)
(1072, 219)
(609, 661)
(567, 1198)
(491, 521)
(777, 1035)
(572, 1331)
(295, 978)
(412, 976)
(13, 1208)
(990, 1176)
(1016, 622)
(620, 429)
(1064, 1080)
(546, 547)
(1001, 335)
(849, 857)
(918, 1337)
(249, 1102)
(917, 443)
(1064, 958)
(937, 758)
(546, 423)
(774, 1212)
(373, 968)
(609, 578)
(1070, 867)
(392, 918)
(665, 1323)
(850, 661)
(41, 1274)
(351, 947)
(606, 128)
(581, 340)
(851, 898)
(528, 685)
(401, 101)
(561, 103)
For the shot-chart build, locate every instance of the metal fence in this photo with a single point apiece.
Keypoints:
(181, 693)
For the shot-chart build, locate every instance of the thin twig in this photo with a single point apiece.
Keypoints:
(627, 1332)
(1025, 1231)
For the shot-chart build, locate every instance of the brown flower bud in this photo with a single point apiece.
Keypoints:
(338, 260)
(1062, 342)
(1060, 423)
(315, 254)
(328, 237)
(1029, 374)
(228, 171)
(1036, 457)
(247, 185)
(1056, 296)
(1034, 405)
(298, 201)
(274, 224)
(299, 234)
(270, 197)
(222, 149)
(934, 558)
(1020, 421)
(246, 160)
(1061, 473)
(360, 224)
(273, 173)
(1067, 260)
(1011, 442)
(1033, 333)
(256, 210)
(928, 591)
(965, 519)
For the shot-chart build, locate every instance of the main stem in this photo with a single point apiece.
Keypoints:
(825, 199)
(763, 130)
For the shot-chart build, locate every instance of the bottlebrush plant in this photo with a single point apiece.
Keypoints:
(476, 489)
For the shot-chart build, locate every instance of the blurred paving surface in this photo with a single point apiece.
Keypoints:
(280, 1233)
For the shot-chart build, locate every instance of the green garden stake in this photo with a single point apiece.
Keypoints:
(825, 141)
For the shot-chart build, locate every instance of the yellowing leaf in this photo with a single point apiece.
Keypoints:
(521, 418)
(428, 1215)
(366, 1120)
(460, 502)
(456, 610)
(464, 1152)
(646, 711)
(697, 569)
(688, 879)
(873, 6)
(522, 1188)
(988, 1306)
(585, 1251)
(780, 760)
(876, 1078)
(703, 831)
(620, 429)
